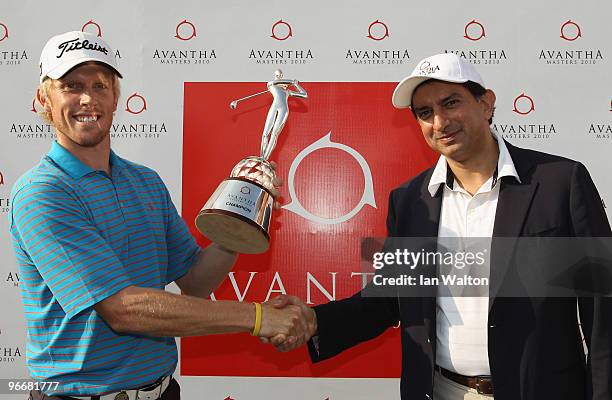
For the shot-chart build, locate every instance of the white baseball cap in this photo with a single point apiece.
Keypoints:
(66, 51)
(446, 67)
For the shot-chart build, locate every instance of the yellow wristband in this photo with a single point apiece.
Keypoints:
(257, 326)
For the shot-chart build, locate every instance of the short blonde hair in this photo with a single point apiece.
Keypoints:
(44, 89)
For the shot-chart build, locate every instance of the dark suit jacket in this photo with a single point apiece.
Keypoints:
(535, 348)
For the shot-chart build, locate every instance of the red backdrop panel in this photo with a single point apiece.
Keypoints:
(329, 183)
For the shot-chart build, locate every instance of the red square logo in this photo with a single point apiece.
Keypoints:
(340, 153)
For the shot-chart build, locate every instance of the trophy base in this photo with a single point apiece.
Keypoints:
(237, 216)
(232, 231)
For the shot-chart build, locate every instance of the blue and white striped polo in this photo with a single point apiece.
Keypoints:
(80, 236)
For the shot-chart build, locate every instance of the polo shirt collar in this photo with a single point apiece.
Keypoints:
(68, 162)
(73, 166)
(442, 174)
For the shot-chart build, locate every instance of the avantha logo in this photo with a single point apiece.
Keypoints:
(96, 28)
(1, 178)
(4, 33)
(571, 55)
(474, 30)
(378, 30)
(135, 104)
(185, 30)
(245, 190)
(368, 192)
(281, 30)
(523, 104)
(140, 127)
(570, 31)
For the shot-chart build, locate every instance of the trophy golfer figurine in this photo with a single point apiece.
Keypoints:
(237, 215)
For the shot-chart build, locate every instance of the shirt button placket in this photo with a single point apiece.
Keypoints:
(469, 221)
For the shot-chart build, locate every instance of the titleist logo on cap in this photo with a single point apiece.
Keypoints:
(75, 44)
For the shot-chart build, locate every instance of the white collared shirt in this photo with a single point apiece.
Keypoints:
(462, 321)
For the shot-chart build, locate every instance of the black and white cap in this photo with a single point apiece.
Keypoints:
(66, 51)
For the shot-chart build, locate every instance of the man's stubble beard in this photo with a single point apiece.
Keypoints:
(86, 141)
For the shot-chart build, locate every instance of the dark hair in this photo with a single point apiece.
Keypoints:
(474, 88)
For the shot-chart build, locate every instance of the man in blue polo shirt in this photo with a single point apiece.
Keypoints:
(97, 239)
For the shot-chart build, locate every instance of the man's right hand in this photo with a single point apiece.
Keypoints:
(299, 318)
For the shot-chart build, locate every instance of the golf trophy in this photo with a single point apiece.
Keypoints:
(237, 215)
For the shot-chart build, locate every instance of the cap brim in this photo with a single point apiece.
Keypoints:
(402, 95)
(63, 69)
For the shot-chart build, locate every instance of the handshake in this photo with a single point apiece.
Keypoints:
(287, 323)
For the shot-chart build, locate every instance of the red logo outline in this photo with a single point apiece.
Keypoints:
(6, 32)
(521, 96)
(378, 22)
(570, 23)
(127, 103)
(33, 109)
(281, 22)
(94, 23)
(467, 35)
(193, 30)
(1, 178)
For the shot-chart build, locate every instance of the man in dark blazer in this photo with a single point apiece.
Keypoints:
(529, 348)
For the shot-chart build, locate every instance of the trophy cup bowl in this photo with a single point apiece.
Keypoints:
(237, 216)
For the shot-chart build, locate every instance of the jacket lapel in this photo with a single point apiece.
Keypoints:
(427, 214)
(512, 207)
(427, 224)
